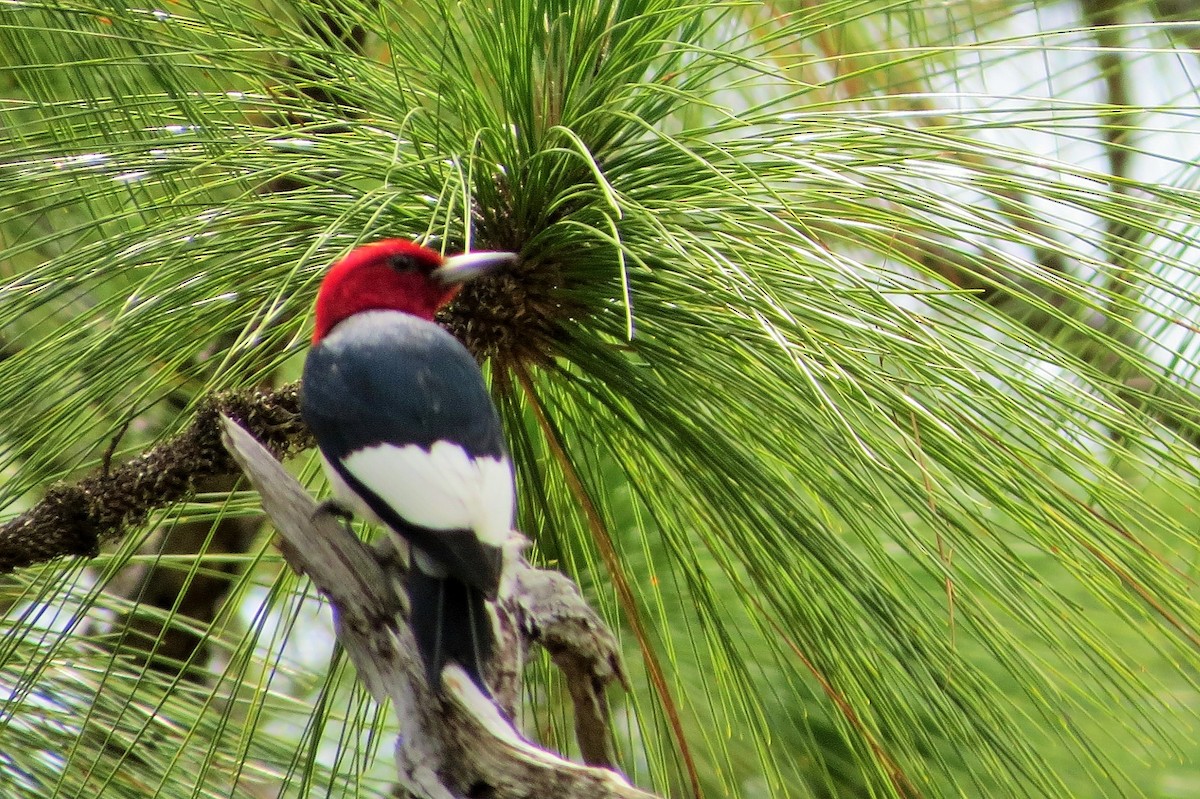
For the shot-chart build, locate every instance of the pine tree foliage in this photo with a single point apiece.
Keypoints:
(850, 367)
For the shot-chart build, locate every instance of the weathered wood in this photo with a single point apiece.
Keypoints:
(460, 744)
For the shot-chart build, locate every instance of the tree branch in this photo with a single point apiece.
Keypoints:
(74, 519)
(459, 745)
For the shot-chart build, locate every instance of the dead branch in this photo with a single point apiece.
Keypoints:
(460, 745)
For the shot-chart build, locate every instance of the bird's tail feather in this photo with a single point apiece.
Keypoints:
(451, 623)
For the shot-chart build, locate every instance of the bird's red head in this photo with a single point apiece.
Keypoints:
(395, 275)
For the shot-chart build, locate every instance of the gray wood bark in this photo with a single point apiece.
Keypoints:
(460, 744)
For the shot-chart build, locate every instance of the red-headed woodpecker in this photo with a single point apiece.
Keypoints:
(410, 438)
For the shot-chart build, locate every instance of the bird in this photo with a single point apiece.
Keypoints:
(410, 438)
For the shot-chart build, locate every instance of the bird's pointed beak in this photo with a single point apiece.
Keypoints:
(460, 268)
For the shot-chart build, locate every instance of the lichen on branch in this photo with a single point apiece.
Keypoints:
(74, 519)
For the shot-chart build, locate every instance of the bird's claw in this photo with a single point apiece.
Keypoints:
(331, 507)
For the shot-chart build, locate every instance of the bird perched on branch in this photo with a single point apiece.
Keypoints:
(410, 438)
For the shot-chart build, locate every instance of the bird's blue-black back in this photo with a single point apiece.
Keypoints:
(384, 377)
(389, 377)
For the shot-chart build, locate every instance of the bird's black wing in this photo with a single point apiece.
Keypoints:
(390, 378)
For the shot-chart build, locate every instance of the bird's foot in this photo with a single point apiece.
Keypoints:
(331, 507)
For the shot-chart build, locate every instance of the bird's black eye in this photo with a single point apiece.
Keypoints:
(404, 263)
